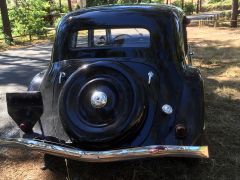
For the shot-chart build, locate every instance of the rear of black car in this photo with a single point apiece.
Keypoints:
(118, 80)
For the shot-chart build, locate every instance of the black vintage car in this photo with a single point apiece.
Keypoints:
(119, 86)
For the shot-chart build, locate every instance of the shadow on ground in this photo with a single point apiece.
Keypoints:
(17, 68)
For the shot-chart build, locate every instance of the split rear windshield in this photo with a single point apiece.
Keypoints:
(116, 37)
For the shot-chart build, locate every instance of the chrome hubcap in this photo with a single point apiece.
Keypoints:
(98, 99)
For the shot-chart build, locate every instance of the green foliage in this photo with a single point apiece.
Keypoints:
(217, 5)
(177, 3)
(28, 17)
(214, 1)
(96, 2)
(154, 1)
(104, 2)
(224, 2)
(188, 7)
(227, 14)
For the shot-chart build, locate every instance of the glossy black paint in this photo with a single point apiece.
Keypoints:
(162, 22)
(25, 108)
(122, 115)
(174, 82)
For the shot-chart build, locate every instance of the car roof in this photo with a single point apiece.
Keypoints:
(159, 20)
(156, 9)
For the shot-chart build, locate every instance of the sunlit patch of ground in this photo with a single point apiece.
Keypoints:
(217, 54)
(23, 165)
(232, 72)
(228, 92)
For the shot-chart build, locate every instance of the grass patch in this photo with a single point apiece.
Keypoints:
(220, 66)
(232, 72)
(25, 41)
(226, 92)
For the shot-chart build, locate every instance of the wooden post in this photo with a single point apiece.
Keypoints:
(6, 24)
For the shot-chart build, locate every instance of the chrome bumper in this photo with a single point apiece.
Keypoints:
(109, 155)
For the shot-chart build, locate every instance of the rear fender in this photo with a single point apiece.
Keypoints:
(37, 81)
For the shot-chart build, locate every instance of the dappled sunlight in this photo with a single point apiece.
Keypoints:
(213, 45)
(21, 65)
(228, 92)
(232, 72)
(17, 68)
(12, 87)
(215, 36)
(217, 54)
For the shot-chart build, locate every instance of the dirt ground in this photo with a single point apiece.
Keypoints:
(217, 54)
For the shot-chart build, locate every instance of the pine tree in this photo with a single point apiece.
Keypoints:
(6, 24)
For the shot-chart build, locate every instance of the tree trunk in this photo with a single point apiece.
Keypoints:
(69, 5)
(6, 24)
(60, 5)
(50, 15)
(182, 4)
(200, 5)
(197, 9)
(235, 13)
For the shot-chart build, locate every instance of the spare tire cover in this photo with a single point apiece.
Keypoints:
(101, 103)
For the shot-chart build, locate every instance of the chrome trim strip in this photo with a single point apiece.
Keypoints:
(109, 155)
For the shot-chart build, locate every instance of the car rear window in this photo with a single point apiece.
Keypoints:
(122, 37)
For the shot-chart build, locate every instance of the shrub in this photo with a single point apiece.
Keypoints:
(216, 5)
(102, 2)
(214, 1)
(28, 17)
(177, 3)
(188, 7)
